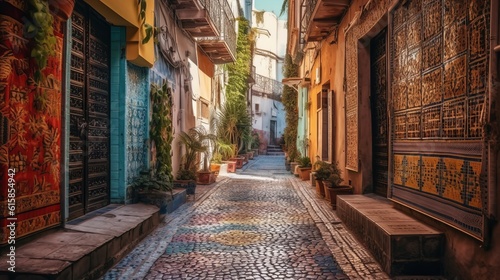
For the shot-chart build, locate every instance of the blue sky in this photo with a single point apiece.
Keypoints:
(270, 6)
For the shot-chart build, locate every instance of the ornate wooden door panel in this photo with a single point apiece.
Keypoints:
(89, 113)
(379, 112)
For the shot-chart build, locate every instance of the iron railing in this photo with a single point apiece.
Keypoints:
(268, 86)
(222, 17)
(307, 9)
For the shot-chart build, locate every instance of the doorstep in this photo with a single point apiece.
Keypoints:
(401, 244)
(85, 248)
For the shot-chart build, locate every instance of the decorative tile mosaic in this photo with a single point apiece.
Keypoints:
(137, 120)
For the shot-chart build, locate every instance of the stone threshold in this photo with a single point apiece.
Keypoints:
(401, 244)
(85, 248)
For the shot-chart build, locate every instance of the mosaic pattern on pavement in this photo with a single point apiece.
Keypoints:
(260, 223)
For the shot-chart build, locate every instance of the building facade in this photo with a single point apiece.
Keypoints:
(403, 95)
(76, 138)
(268, 54)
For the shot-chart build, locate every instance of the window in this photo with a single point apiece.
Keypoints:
(204, 111)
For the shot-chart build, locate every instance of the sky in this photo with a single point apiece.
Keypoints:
(270, 6)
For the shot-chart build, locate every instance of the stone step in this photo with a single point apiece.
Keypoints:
(84, 249)
(401, 244)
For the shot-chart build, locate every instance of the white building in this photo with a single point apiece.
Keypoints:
(269, 52)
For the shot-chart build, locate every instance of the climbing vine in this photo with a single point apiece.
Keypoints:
(289, 99)
(161, 128)
(38, 27)
(234, 118)
(148, 29)
(239, 71)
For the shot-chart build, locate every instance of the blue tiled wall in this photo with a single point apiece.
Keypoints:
(117, 115)
(129, 118)
(137, 117)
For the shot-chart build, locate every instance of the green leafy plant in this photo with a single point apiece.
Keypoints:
(148, 28)
(161, 128)
(196, 141)
(148, 181)
(323, 170)
(256, 140)
(289, 99)
(184, 174)
(335, 177)
(304, 161)
(38, 26)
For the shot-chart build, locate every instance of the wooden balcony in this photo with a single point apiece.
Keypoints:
(320, 18)
(211, 23)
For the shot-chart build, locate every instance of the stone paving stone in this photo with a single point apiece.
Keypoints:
(258, 223)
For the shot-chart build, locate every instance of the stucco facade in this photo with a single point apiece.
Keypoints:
(267, 110)
(78, 138)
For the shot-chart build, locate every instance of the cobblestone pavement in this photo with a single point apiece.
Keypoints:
(261, 223)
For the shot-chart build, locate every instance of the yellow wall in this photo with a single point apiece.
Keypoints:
(331, 60)
(125, 13)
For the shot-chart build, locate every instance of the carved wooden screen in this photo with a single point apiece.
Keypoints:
(378, 81)
(89, 113)
(439, 60)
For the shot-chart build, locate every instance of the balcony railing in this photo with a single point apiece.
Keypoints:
(211, 23)
(307, 9)
(221, 14)
(320, 17)
(270, 87)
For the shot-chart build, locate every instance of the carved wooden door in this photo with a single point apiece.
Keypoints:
(378, 85)
(89, 112)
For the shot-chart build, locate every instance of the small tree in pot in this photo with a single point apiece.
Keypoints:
(322, 170)
(305, 167)
(333, 185)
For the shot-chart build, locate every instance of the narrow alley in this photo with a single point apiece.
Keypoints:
(262, 223)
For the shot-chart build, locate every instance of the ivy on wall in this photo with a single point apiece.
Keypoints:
(161, 128)
(38, 27)
(239, 71)
(235, 112)
(289, 99)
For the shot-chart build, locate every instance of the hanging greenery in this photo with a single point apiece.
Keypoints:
(148, 29)
(161, 128)
(38, 26)
(289, 99)
(239, 71)
(235, 119)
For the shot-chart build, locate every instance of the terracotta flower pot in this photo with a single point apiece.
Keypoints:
(231, 166)
(205, 177)
(304, 173)
(239, 161)
(320, 189)
(339, 190)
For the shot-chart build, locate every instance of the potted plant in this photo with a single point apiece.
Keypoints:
(255, 143)
(232, 123)
(153, 189)
(193, 147)
(287, 163)
(334, 187)
(322, 171)
(202, 144)
(223, 152)
(305, 166)
(293, 164)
